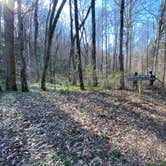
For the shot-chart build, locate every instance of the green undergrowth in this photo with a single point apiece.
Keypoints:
(161, 163)
(61, 87)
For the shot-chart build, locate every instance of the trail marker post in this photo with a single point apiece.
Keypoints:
(140, 78)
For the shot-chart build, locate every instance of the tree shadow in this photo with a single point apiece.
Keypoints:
(44, 132)
(125, 110)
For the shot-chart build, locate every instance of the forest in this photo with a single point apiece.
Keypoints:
(82, 82)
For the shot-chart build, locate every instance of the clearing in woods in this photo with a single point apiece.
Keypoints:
(82, 128)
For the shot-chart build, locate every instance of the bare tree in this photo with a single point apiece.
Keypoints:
(24, 84)
(164, 67)
(72, 47)
(53, 19)
(121, 57)
(94, 76)
(115, 49)
(36, 32)
(0, 36)
(9, 45)
(158, 35)
(78, 49)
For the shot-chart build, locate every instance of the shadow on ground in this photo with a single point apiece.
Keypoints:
(75, 128)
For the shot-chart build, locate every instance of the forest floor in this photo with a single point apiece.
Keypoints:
(79, 128)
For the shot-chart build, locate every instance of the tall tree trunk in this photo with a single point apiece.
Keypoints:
(131, 41)
(164, 69)
(78, 50)
(24, 84)
(127, 46)
(9, 45)
(72, 53)
(94, 79)
(0, 40)
(121, 57)
(147, 48)
(52, 24)
(158, 36)
(36, 24)
(115, 44)
(106, 39)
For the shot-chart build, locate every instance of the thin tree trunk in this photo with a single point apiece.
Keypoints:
(106, 39)
(78, 50)
(72, 53)
(94, 79)
(115, 51)
(9, 45)
(115, 42)
(127, 46)
(131, 49)
(121, 58)
(102, 36)
(147, 49)
(164, 69)
(36, 24)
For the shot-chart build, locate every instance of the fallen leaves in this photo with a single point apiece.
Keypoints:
(80, 128)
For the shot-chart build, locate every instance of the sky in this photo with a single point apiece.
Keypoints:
(154, 9)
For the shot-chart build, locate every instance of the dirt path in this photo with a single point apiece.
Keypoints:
(82, 128)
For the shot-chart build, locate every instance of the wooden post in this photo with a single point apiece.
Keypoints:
(139, 88)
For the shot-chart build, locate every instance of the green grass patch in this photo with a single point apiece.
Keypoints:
(115, 155)
(77, 87)
(55, 156)
(104, 136)
(161, 163)
(74, 156)
(67, 163)
(114, 108)
(64, 87)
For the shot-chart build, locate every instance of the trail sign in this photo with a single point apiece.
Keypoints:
(141, 78)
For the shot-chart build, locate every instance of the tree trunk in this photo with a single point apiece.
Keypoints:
(35, 41)
(115, 42)
(72, 53)
(52, 25)
(78, 49)
(24, 84)
(94, 76)
(0, 40)
(121, 58)
(131, 49)
(147, 48)
(164, 69)
(9, 45)
(158, 36)
(127, 48)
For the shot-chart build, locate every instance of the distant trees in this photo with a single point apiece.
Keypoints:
(9, 45)
(90, 45)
